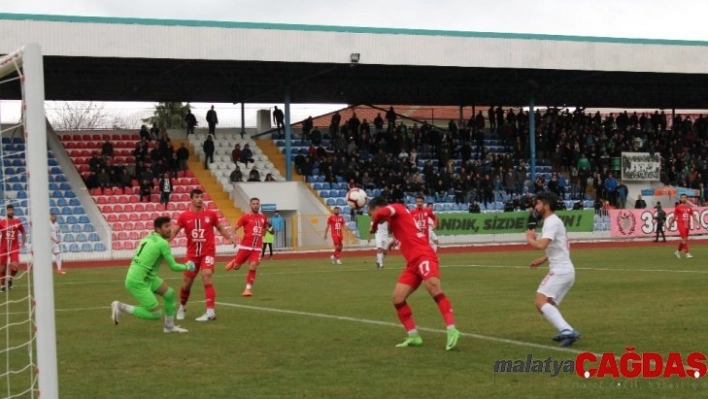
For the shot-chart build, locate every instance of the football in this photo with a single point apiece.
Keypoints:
(356, 198)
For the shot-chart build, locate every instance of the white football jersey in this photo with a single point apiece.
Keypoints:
(558, 251)
(55, 230)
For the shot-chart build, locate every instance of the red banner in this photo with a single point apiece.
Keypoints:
(630, 223)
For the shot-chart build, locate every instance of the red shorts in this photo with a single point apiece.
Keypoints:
(683, 231)
(12, 257)
(200, 262)
(337, 241)
(419, 271)
(248, 255)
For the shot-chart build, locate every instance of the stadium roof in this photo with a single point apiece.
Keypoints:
(125, 59)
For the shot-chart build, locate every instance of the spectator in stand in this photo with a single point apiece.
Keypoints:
(209, 149)
(191, 121)
(611, 189)
(212, 120)
(278, 119)
(104, 180)
(144, 133)
(236, 176)
(474, 207)
(145, 190)
(391, 118)
(307, 126)
(334, 125)
(316, 136)
(126, 180)
(378, 124)
(622, 193)
(269, 177)
(236, 154)
(254, 175)
(155, 132)
(640, 203)
(246, 155)
(107, 149)
(95, 163)
(165, 186)
(182, 157)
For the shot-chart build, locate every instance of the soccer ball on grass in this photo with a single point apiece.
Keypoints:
(356, 198)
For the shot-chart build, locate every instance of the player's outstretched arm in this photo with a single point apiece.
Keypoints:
(175, 230)
(166, 253)
(224, 233)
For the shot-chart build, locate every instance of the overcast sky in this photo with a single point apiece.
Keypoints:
(684, 20)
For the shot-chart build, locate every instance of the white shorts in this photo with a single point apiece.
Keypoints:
(56, 249)
(381, 242)
(433, 236)
(556, 286)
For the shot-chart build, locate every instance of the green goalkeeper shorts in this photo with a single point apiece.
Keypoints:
(144, 291)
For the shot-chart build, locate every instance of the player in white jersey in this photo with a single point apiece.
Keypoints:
(382, 243)
(561, 273)
(56, 241)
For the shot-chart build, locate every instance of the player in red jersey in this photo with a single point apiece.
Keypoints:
(336, 224)
(424, 218)
(199, 224)
(683, 213)
(422, 266)
(249, 249)
(10, 246)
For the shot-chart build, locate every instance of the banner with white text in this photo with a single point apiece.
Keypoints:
(637, 223)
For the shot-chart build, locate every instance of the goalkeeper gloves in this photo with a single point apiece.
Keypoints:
(190, 266)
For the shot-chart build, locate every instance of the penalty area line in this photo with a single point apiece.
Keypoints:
(390, 324)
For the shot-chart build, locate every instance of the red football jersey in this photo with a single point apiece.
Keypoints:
(254, 225)
(336, 225)
(422, 219)
(683, 213)
(199, 228)
(8, 234)
(413, 241)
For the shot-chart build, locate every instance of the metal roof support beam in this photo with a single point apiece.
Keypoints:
(288, 137)
(532, 139)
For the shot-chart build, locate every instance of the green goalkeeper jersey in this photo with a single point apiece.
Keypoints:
(148, 256)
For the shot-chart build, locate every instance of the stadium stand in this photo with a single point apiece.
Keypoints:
(223, 165)
(78, 234)
(129, 218)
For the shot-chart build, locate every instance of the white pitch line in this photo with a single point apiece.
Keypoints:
(601, 269)
(389, 324)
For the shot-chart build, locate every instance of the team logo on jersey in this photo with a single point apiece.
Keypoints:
(626, 222)
(206, 219)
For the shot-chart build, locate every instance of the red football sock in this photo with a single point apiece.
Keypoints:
(210, 295)
(680, 247)
(13, 272)
(445, 309)
(337, 252)
(2, 277)
(183, 296)
(405, 315)
(685, 247)
(250, 277)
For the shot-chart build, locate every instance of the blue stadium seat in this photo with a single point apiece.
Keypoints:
(17, 187)
(341, 202)
(64, 227)
(74, 202)
(57, 194)
(64, 186)
(88, 228)
(75, 228)
(59, 178)
(22, 194)
(93, 237)
(19, 211)
(86, 247)
(99, 247)
(62, 202)
(55, 211)
(68, 238)
(66, 211)
(71, 219)
(53, 187)
(324, 193)
(79, 210)
(81, 237)
(83, 219)
(331, 202)
(69, 194)
(10, 171)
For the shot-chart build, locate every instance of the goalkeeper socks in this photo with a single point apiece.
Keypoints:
(169, 299)
(405, 315)
(210, 295)
(553, 315)
(250, 278)
(445, 308)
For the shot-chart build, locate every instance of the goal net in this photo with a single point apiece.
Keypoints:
(28, 365)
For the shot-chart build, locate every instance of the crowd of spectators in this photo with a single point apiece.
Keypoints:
(582, 148)
(157, 162)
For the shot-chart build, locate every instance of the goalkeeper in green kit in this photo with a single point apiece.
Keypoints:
(143, 283)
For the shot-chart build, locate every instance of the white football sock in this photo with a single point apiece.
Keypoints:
(169, 322)
(379, 258)
(127, 308)
(553, 315)
(58, 261)
(210, 312)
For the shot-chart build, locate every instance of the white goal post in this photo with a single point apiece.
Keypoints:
(27, 64)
